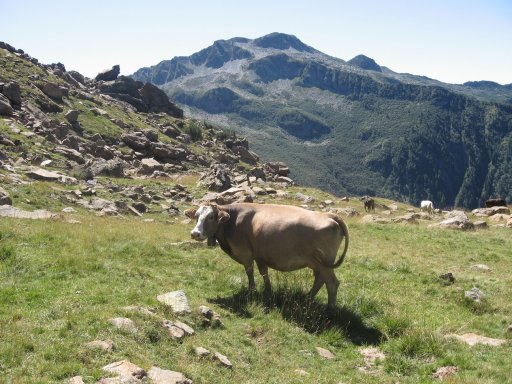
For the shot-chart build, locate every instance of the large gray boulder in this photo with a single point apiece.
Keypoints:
(108, 74)
(12, 91)
(5, 107)
(53, 90)
(5, 198)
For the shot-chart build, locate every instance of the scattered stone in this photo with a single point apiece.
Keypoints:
(473, 339)
(104, 345)
(10, 211)
(123, 323)
(474, 294)
(443, 372)
(76, 380)
(177, 300)
(142, 310)
(125, 371)
(301, 372)
(108, 74)
(509, 329)
(481, 267)
(163, 376)
(371, 356)
(175, 332)
(223, 360)
(5, 198)
(201, 352)
(325, 353)
(480, 224)
(188, 330)
(68, 210)
(210, 318)
(72, 115)
(447, 278)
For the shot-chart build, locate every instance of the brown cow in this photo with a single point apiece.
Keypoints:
(282, 237)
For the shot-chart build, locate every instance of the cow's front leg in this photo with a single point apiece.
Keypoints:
(249, 270)
(264, 273)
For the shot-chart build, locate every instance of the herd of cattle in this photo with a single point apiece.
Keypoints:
(282, 237)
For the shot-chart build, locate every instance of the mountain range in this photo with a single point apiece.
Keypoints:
(350, 127)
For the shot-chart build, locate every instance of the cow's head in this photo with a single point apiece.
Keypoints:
(208, 219)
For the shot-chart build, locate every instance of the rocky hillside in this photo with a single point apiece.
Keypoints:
(102, 139)
(351, 127)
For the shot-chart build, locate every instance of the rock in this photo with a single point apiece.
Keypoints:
(163, 376)
(474, 294)
(481, 267)
(126, 371)
(371, 355)
(177, 300)
(444, 372)
(480, 224)
(43, 174)
(216, 179)
(455, 219)
(123, 323)
(175, 332)
(509, 223)
(108, 74)
(375, 219)
(72, 115)
(504, 210)
(76, 380)
(5, 107)
(188, 330)
(53, 90)
(473, 339)
(157, 101)
(9, 211)
(136, 141)
(201, 352)
(223, 360)
(5, 198)
(104, 345)
(447, 278)
(12, 91)
(70, 153)
(325, 353)
(304, 198)
(141, 310)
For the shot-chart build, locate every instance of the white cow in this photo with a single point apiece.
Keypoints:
(427, 205)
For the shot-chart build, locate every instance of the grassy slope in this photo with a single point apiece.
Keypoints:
(60, 283)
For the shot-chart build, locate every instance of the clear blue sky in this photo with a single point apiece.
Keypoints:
(448, 40)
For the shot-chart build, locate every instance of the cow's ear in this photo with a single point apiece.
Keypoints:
(191, 213)
(223, 216)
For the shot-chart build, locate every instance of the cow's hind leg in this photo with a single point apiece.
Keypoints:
(264, 273)
(317, 284)
(249, 270)
(332, 283)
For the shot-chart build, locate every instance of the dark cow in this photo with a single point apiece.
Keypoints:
(495, 203)
(281, 237)
(369, 203)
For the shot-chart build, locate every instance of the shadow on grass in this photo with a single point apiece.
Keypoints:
(298, 308)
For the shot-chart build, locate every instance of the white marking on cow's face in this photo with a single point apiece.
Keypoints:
(205, 215)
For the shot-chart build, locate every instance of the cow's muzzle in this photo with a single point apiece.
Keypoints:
(196, 235)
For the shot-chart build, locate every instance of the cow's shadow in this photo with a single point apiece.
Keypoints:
(309, 314)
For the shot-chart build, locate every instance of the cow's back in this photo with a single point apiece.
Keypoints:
(283, 237)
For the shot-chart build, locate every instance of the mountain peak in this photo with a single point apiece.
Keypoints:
(364, 62)
(282, 41)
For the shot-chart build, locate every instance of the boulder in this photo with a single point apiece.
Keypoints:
(12, 91)
(53, 90)
(5, 106)
(163, 376)
(108, 74)
(5, 198)
(72, 115)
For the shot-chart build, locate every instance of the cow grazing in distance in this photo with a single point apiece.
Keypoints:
(281, 237)
(427, 205)
(495, 203)
(369, 203)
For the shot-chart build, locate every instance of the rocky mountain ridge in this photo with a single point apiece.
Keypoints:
(91, 134)
(351, 127)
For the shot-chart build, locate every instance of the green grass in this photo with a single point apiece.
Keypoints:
(60, 283)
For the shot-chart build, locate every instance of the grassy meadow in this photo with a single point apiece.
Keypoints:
(60, 283)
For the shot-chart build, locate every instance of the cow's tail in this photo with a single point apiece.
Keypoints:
(344, 232)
